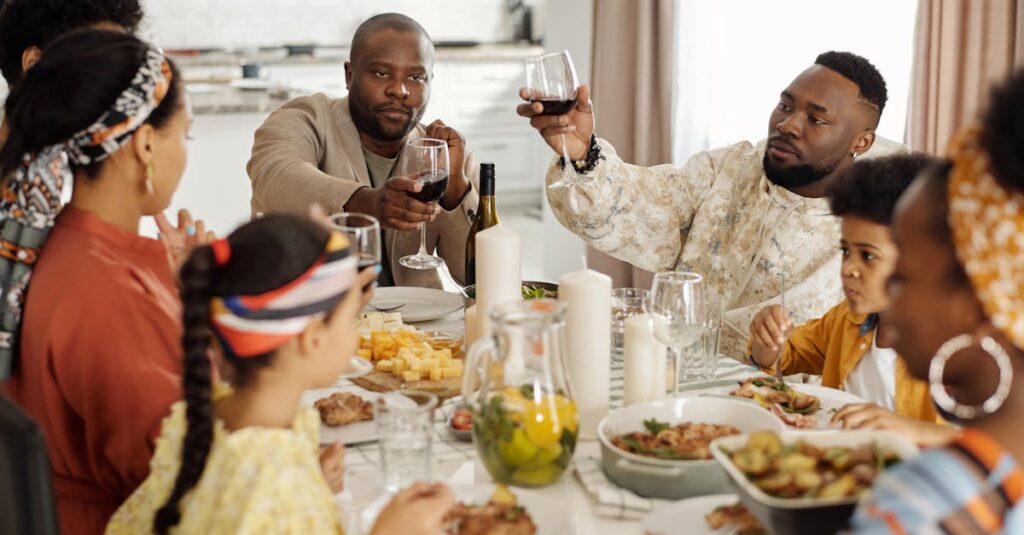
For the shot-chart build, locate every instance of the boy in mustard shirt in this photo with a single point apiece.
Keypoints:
(850, 346)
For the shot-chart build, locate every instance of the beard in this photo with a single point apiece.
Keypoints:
(366, 121)
(798, 176)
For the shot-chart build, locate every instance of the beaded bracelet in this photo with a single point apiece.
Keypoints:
(588, 163)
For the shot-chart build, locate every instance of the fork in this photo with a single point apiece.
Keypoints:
(782, 303)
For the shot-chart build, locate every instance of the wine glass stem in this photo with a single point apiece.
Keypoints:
(423, 239)
(677, 362)
(569, 167)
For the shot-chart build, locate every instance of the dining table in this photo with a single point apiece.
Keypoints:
(456, 462)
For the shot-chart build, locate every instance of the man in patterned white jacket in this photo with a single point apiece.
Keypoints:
(743, 216)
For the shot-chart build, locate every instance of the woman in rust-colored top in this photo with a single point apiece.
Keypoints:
(99, 362)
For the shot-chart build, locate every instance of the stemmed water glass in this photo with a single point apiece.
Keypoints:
(426, 161)
(363, 233)
(678, 308)
(551, 81)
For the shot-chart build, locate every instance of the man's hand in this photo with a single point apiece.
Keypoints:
(870, 416)
(392, 205)
(577, 125)
(458, 184)
(768, 334)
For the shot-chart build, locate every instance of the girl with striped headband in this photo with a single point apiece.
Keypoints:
(958, 308)
(280, 297)
(98, 356)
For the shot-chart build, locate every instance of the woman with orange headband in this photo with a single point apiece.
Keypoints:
(958, 308)
(98, 360)
(280, 297)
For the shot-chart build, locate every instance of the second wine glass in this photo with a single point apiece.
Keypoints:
(426, 161)
(677, 304)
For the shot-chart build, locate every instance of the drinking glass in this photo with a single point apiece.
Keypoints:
(363, 233)
(626, 302)
(426, 161)
(551, 80)
(679, 309)
(699, 362)
(405, 424)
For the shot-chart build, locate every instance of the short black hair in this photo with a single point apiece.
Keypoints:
(859, 71)
(1003, 136)
(28, 23)
(385, 21)
(869, 188)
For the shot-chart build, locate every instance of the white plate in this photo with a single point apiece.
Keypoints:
(687, 516)
(348, 434)
(831, 400)
(420, 304)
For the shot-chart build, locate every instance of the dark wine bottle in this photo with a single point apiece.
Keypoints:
(486, 217)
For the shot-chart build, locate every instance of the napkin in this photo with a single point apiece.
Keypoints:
(612, 500)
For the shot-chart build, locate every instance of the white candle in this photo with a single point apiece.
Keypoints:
(644, 364)
(588, 296)
(471, 327)
(498, 273)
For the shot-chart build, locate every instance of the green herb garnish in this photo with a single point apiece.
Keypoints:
(533, 292)
(654, 426)
(665, 453)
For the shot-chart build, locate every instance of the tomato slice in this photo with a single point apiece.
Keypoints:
(462, 420)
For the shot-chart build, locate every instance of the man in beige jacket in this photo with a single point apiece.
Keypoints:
(346, 154)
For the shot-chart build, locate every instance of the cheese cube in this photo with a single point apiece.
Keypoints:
(451, 373)
(365, 353)
(400, 366)
(386, 365)
(436, 374)
(411, 376)
(456, 363)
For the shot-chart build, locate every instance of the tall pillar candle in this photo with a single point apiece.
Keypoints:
(644, 362)
(588, 343)
(498, 273)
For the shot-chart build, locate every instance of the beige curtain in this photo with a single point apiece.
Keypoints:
(960, 48)
(632, 92)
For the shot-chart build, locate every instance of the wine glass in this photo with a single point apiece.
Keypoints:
(551, 81)
(677, 304)
(363, 233)
(426, 161)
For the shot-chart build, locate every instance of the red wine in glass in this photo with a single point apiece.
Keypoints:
(555, 106)
(434, 185)
(364, 262)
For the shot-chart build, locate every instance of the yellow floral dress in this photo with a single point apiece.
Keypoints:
(256, 480)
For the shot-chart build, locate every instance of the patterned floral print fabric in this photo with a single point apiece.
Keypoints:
(257, 480)
(987, 223)
(30, 198)
(717, 215)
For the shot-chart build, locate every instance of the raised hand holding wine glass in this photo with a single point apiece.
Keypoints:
(678, 306)
(425, 161)
(559, 108)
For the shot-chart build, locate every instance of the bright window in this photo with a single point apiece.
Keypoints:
(734, 57)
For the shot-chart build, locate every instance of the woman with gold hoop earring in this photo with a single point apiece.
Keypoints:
(957, 304)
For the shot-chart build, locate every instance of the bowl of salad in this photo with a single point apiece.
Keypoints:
(531, 290)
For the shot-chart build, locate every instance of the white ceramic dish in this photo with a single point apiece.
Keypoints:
(365, 431)
(669, 479)
(831, 401)
(788, 516)
(418, 304)
(687, 516)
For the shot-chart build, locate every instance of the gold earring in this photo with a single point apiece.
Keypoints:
(149, 178)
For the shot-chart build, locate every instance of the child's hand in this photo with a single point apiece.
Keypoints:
(768, 334)
(332, 463)
(871, 416)
(417, 510)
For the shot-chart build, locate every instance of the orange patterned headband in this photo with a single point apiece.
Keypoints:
(987, 224)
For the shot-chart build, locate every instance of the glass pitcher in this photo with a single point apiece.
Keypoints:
(515, 385)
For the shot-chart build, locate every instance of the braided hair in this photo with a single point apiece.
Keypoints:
(265, 254)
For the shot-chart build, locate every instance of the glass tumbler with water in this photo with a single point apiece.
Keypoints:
(405, 425)
(626, 302)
